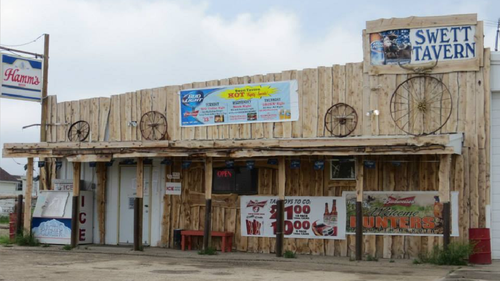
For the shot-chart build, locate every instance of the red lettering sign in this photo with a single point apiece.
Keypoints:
(11, 74)
(224, 174)
(83, 218)
(82, 234)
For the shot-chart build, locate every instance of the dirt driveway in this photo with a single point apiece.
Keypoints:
(118, 263)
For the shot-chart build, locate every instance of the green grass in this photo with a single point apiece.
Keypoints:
(27, 240)
(67, 247)
(5, 241)
(208, 251)
(371, 258)
(4, 220)
(456, 254)
(289, 254)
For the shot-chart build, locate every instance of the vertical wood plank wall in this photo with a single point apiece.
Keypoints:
(319, 88)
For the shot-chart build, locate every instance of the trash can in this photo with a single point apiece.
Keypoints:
(177, 238)
(480, 237)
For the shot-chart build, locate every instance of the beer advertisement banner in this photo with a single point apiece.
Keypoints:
(305, 217)
(21, 78)
(422, 45)
(401, 213)
(239, 104)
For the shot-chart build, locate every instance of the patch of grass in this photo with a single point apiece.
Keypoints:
(67, 247)
(208, 251)
(289, 254)
(5, 241)
(371, 258)
(27, 240)
(4, 220)
(417, 261)
(45, 245)
(456, 254)
(391, 261)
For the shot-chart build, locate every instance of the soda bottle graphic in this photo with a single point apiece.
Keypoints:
(377, 49)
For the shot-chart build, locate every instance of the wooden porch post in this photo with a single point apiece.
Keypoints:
(359, 207)
(444, 196)
(76, 204)
(101, 200)
(138, 205)
(27, 197)
(280, 207)
(208, 204)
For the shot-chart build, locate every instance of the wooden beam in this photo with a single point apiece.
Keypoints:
(90, 158)
(281, 178)
(101, 200)
(27, 197)
(75, 228)
(208, 204)
(359, 207)
(140, 178)
(280, 221)
(416, 22)
(444, 196)
(138, 205)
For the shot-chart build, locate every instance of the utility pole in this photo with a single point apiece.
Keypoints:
(44, 176)
(498, 34)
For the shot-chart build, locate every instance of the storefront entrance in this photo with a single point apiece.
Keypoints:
(127, 194)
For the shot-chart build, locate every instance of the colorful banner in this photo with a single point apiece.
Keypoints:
(401, 213)
(422, 45)
(305, 217)
(239, 104)
(21, 78)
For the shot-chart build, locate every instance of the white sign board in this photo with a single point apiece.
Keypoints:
(305, 217)
(21, 78)
(173, 188)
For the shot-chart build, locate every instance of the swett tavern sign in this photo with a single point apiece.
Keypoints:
(21, 78)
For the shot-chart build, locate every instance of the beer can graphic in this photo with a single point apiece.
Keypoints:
(377, 49)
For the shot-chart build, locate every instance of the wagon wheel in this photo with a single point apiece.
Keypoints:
(341, 120)
(153, 126)
(421, 105)
(79, 131)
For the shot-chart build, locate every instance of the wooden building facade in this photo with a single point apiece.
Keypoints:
(455, 158)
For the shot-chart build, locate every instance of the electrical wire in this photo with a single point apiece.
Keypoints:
(24, 44)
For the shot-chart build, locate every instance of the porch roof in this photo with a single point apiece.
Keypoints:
(363, 145)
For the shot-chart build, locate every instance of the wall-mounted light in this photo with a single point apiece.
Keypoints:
(373, 112)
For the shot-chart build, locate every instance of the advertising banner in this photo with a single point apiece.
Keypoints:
(21, 78)
(305, 217)
(173, 188)
(239, 104)
(422, 45)
(417, 213)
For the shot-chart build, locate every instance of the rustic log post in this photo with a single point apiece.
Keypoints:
(138, 205)
(27, 197)
(280, 223)
(444, 196)
(19, 215)
(101, 200)
(359, 207)
(75, 228)
(208, 200)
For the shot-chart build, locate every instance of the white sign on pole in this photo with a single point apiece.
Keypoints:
(21, 78)
(173, 188)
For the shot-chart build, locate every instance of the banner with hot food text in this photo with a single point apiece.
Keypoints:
(305, 217)
(21, 78)
(417, 213)
(238, 104)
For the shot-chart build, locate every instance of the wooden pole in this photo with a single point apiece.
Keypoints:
(208, 203)
(75, 228)
(19, 215)
(101, 200)
(359, 206)
(27, 197)
(44, 175)
(444, 197)
(138, 205)
(280, 222)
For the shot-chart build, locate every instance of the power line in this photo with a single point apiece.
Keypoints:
(24, 44)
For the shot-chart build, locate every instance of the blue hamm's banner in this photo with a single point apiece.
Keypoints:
(21, 78)
(239, 104)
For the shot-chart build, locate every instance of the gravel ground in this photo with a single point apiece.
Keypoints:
(120, 263)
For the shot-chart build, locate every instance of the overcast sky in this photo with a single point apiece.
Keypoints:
(100, 48)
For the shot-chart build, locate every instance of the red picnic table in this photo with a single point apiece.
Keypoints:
(227, 238)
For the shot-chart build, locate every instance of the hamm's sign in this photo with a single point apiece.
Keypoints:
(423, 45)
(21, 78)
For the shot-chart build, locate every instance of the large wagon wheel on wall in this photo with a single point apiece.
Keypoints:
(78, 131)
(341, 120)
(153, 126)
(421, 105)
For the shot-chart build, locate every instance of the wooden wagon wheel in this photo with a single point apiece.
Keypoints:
(341, 119)
(421, 105)
(78, 131)
(153, 126)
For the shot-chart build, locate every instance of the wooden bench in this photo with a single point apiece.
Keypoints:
(227, 238)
